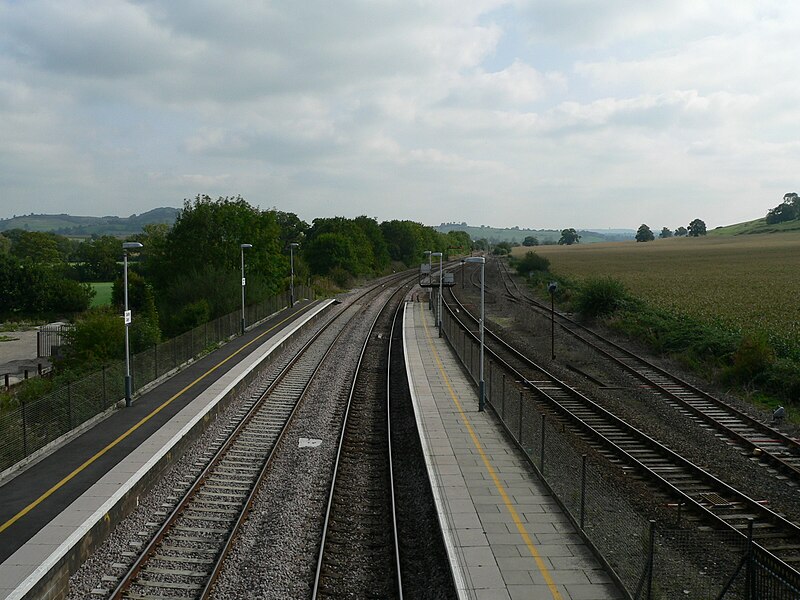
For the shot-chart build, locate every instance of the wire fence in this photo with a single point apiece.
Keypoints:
(672, 560)
(30, 426)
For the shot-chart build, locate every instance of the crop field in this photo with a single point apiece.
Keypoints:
(750, 283)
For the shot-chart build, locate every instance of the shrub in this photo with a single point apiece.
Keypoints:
(601, 296)
(532, 262)
(752, 359)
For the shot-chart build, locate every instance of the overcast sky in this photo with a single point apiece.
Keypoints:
(538, 113)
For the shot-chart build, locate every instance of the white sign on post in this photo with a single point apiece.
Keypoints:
(242, 281)
(127, 317)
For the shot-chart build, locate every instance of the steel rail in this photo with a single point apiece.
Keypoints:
(764, 448)
(337, 464)
(395, 320)
(791, 530)
(149, 550)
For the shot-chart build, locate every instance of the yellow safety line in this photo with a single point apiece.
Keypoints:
(144, 420)
(506, 500)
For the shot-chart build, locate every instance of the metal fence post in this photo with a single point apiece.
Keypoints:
(519, 418)
(69, 406)
(24, 430)
(749, 579)
(503, 399)
(583, 490)
(541, 456)
(489, 382)
(155, 360)
(651, 559)
(105, 400)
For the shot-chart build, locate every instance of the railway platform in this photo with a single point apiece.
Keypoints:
(56, 511)
(506, 536)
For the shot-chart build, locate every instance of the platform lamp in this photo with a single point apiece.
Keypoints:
(439, 300)
(292, 246)
(242, 247)
(127, 317)
(482, 261)
(430, 298)
(552, 287)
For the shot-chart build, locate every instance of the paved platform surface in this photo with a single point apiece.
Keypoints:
(48, 509)
(507, 537)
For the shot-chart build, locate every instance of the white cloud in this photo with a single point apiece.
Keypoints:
(606, 113)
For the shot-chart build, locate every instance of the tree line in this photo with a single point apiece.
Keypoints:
(189, 273)
(788, 210)
(695, 229)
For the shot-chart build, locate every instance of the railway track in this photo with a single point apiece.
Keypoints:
(772, 447)
(188, 550)
(706, 501)
(359, 553)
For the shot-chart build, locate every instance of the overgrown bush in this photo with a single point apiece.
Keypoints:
(532, 262)
(600, 297)
(751, 360)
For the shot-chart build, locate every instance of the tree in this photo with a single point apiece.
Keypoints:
(100, 257)
(681, 232)
(37, 246)
(666, 232)
(30, 288)
(144, 331)
(530, 241)
(5, 245)
(569, 237)
(697, 228)
(501, 249)
(199, 258)
(532, 262)
(781, 213)
(97, 338)
(644, 234)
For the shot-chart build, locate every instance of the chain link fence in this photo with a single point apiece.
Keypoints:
(672, 560)
(32, 425)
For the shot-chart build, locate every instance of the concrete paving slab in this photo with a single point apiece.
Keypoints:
(481, 478)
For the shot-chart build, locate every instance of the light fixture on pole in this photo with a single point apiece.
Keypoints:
(292, 246)
(552, 287)
(430, 277)
(127, 317)
(482, 261)
(439, 300)
(242, 247)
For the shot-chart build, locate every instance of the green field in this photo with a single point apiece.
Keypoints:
(749, 283)
(102, 293)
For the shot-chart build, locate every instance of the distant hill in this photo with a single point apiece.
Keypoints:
(545, 236)
(755, 226)
(87, 226)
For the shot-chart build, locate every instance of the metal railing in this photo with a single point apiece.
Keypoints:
(32, 425)
(664, 561)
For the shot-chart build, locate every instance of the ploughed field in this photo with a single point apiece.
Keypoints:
(749, 282)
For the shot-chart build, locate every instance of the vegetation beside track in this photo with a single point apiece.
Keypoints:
(727, 307)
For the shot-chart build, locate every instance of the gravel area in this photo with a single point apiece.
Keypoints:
(275, 555)
(113, 558)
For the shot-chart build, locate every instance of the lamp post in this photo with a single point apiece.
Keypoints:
(462, 273)
(292, 246)
(552, 287)
(430, 275)
(482, 261)
(439, 302)
(242, 247)
(127, 317)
